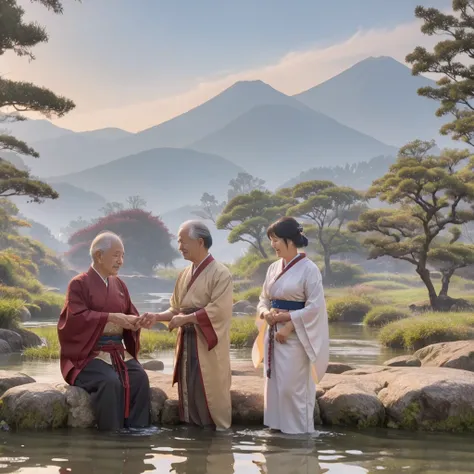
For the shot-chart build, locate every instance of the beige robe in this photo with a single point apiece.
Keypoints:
(210, 291)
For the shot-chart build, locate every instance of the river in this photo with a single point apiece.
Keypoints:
(183, 450)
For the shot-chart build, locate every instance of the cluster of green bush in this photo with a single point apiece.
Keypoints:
(20, 288)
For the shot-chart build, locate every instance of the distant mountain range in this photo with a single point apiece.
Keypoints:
(367, 111)
(275, 141)
(378, 97)
(166, 178)
(73, 202)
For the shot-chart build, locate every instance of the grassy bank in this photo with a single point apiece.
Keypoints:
(243, 332)
(416, 332)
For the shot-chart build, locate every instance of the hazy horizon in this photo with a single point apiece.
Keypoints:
(177, 57)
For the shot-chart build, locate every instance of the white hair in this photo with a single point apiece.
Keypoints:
(198, 230)
(103, 242)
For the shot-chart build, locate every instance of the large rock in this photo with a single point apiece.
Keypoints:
(247, 400)
(244, 307)
(453, 355)
(34, 406)
(153, 365)
(403, 361)
(78, 401)
(5, 347)
(29, 338)
(430, 399)
(352, 403)
(14, 340)
(9, 379)
(170, 414)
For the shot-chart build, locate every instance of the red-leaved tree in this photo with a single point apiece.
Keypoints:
(146, 239)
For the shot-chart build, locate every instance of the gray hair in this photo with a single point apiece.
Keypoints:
(103, 242)
(198, 230)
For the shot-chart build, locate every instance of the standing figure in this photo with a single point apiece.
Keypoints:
(201, 309)
(294, 336)
(97, 321)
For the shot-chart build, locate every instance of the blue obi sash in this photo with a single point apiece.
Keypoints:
(287, 305)
(109, 339)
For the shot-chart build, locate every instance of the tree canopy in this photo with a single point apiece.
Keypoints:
(146, 239)
(429, 194)
(455, 88)
(247, 216)
(329, 208)
(17, 97)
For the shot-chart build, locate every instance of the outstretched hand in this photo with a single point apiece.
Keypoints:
(125, 321)
(146, 320)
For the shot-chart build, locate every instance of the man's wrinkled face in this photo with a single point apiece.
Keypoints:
(190, 248)
(111, 260)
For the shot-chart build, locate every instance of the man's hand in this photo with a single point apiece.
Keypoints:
(146, 320)
(126, 321)
(177, 321)
(282, 335)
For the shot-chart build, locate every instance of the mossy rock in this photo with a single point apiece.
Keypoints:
(35, 406)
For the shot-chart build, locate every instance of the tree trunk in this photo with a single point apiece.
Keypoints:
(445, 281)
(426, 278)
(261, 249)
(327, 268)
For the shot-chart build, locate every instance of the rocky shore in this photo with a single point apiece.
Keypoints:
(433, 396)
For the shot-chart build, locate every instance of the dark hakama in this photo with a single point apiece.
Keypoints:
(193, 405)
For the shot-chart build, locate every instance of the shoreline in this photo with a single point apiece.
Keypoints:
(409, 398)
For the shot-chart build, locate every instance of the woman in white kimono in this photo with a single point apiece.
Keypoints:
(294, 327)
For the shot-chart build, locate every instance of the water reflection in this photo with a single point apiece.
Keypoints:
(184, 450)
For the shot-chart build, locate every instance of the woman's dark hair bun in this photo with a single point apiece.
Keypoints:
(288, 228)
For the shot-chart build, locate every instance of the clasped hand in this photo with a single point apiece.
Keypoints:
(275, 316)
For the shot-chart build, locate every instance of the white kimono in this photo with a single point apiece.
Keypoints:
(290, 393)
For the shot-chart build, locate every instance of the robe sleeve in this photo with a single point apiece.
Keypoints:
(131, 338)
(214, 318)
(311, 322)
(79, 327)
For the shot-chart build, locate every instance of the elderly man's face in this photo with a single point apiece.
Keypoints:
(190, 249)
(111, 260)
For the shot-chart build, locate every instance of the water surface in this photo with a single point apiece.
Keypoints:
(242, 451)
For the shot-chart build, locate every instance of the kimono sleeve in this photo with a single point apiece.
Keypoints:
(131, 338)
(175, 298)
(311, 324)
(214, 318)
(79, 327)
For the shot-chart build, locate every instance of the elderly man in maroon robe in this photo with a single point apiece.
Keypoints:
(100, 341)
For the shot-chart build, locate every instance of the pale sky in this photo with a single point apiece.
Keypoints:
(133, 64)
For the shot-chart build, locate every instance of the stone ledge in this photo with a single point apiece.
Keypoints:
(415, 398)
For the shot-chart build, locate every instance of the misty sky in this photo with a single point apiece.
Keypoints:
(135, 63)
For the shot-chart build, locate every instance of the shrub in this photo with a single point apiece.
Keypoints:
(46, 306)
(430, 328)
(243, 332)
(10, 312)
(381, 315)
(348, 309)
(252, 295)
(15, 293)
(344, 273)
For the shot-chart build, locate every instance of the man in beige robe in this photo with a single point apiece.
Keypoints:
(201, 309)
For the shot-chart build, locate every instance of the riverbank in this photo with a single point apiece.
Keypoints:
(426, 398)
(242, 334)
